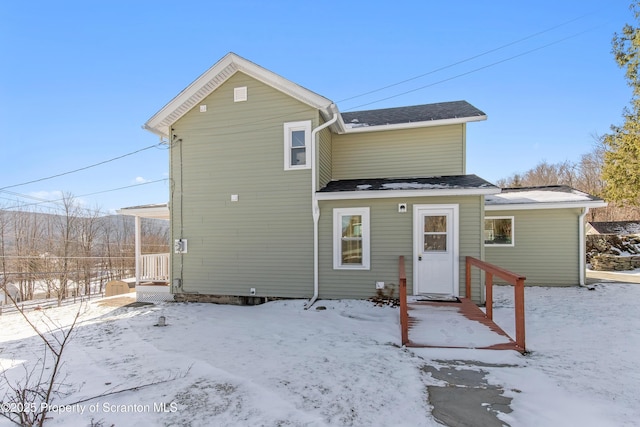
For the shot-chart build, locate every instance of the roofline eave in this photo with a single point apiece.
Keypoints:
(390, 194)
(411, 125)
(545, 205)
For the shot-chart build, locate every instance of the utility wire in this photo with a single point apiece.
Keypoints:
(467, 59)
(83, 168)
(474, 70)
(57, 201)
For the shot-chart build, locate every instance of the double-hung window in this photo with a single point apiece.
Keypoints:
(351, 239)
(297, 137)
(498, 231)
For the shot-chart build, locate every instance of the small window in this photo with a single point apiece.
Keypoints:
(297, 137)
(351, 238)
(498, 231)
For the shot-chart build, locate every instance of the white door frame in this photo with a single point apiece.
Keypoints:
(417, 242)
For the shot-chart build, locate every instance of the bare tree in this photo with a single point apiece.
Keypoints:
(27, 401)
(88, 234)
(66, 230)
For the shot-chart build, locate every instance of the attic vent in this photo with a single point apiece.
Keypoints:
(239, 94)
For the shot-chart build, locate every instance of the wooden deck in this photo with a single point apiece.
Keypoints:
(446, 325)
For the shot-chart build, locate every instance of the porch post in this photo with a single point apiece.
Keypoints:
(138, 245)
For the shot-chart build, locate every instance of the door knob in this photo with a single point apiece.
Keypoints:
(419, 257)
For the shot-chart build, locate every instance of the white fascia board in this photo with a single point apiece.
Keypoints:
(412, 125)
(158, 212)
(390, 194)
(541, 205)
(219, 73)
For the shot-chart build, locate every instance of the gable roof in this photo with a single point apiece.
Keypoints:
(455, 111)
(359, 121)
(219, 73)
(543, 197)
(406, 187)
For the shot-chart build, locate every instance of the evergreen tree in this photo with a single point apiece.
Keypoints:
(621, 169)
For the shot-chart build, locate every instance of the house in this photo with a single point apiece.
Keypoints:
(275, 193)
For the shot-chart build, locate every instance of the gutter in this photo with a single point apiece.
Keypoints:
(583, 249)
(315, 207)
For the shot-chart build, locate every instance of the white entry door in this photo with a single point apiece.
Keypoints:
(436, 249)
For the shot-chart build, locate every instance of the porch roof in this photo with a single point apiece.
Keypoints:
(157, 211)
(543, 197)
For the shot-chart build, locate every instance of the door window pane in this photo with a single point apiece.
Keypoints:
(435, 224)
(435, 233)
(435, 242)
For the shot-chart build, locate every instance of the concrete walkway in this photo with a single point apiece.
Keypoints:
(594, 276)
(467, 400)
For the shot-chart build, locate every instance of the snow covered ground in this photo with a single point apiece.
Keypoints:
(279, 365)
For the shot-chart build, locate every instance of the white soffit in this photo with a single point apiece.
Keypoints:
(215, 76)
(149, 211)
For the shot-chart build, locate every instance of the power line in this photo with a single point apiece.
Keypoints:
(474, 70)
(57, 201)
(467, 59)
(83, 168)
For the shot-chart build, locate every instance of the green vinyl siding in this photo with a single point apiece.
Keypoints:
(264, 240)
(391, 235)
(430, 151)
(324, 158)
(546, 246)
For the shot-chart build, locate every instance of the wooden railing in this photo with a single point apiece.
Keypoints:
(518, 288)
(404, 315)
(154, 267)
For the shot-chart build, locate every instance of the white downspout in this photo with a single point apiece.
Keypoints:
(583, 248)
(315, 207)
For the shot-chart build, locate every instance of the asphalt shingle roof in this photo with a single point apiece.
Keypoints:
(427, 183)
(416, 113)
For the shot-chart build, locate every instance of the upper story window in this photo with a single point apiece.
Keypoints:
(498, 231)
(297, 137)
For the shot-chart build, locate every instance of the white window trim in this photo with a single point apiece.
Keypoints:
(513, 233)
(288, 129)
(338, 213)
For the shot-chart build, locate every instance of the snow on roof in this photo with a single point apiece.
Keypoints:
(549, 194)
(457, 182)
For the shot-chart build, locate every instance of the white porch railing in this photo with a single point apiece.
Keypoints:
(154, 267)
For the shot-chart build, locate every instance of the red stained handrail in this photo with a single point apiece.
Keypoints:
(515, 279)
(404, 316)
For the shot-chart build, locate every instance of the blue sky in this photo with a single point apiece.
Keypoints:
(79, 78)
